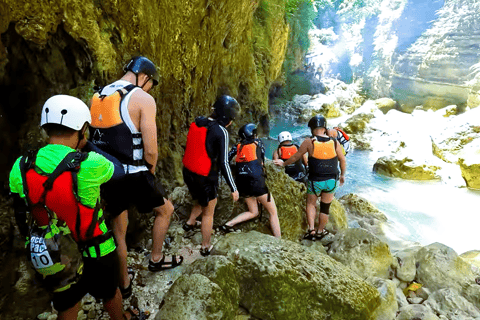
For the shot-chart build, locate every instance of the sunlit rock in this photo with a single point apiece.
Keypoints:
(448, 111)
(362, 252)
(406, 266)
(449, 303)
(439, 267)
(364, 213)
(358, 123)
(473, 258)
(405, 168)
(416, 311)
(470, 166)
(385, 104)
(388, 301)
(281, 279)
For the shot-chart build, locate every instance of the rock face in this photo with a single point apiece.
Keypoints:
(404, 168)
(283, 280)
(202, 49)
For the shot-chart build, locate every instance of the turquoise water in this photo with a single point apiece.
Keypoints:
(419, 211)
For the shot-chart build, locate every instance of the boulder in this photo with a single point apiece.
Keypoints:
(416, 311)
(449, 303)
(363, 213)
(357, 123)
(401, 299)
(388, 300)
(473, 258)
(280, 279)
(385, 104)
(362, 252)
(337, 219)
(405, 168)
(439, 267)
(471, 170)
(406, 266)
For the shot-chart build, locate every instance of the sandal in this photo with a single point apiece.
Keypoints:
(164, 265)
(206, 251)
(226, 229)
(136, 313)
(310, 235)
(322, 234)
(127, 292)
(189, 227)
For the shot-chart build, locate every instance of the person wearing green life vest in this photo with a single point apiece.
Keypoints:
(73, 198)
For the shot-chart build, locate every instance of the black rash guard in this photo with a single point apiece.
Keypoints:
(216, 145)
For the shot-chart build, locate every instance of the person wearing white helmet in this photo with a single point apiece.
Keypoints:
(285, 150)
(66, 119)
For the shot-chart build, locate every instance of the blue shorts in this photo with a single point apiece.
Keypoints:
(317, 187)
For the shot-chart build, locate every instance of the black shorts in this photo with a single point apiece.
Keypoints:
(99, 278)
(251, 187)
(202, 189)
(140, 189)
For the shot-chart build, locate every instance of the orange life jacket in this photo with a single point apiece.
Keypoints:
(286, 151)
(196, 158)
(248, 161)
(323, 162)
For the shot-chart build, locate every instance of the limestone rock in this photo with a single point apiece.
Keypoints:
(388, 300)
(406, 269)
(416, 311)
(195, 296)
(364, 213)
(280, 279)
(362, 252)
(357, 123)
(471, 170)
(385, 104)
(405, 168)
(337, 219)
(448, 302)
(439, 267)
(473, 258)
(401, 299)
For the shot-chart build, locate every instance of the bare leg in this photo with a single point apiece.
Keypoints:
(323, 218)
(119, 226)
(114, 307)
(272, 210)
(196, 212)
(207, 222)
(70, 314)
(311, 210)
(247, 215)
(160, 228)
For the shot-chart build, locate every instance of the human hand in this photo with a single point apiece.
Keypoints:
(342, 180)
(278, 162)
(235, 196)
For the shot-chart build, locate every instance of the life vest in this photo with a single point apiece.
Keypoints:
(344, 139)
(57, 194)
(248, 160)
(286, 151)
(295, 170)
(323, 162)
(109, 131)
(196, 158)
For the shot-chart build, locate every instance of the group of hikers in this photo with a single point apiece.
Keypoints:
(110, 149)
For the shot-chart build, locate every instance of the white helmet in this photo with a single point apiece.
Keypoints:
(66, 110)
(284, 136)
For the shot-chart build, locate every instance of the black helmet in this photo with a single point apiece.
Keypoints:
(248, 131)
(141, 64)
(317, 121)
(225, 109)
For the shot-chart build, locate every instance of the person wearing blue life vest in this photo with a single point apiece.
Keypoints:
(324, 155)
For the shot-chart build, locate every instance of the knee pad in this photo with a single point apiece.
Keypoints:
(325, 208)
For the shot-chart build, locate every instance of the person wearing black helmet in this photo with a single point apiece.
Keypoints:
(205, 155)
(250, 177)
(324, 155)
(123, 125)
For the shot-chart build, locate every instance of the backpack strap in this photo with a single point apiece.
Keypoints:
(26, 163)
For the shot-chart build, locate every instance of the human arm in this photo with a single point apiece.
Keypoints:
(343, 162)
(232, 153)
(148, 127)
(20, 206)
(275, 155)
(222, 145)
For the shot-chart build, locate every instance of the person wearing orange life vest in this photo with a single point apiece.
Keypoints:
(284, 151)
(72, 195)
(324, 155)
(341, 137)
(249, 157)
(206, 154)
(123, 125)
